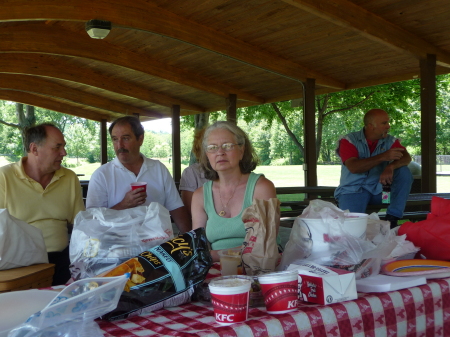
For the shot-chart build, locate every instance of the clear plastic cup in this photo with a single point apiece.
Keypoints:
(139, 184)
(230, 261)
(280, 291)
(230, 298)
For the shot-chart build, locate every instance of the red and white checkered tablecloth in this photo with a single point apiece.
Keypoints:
(422, 311)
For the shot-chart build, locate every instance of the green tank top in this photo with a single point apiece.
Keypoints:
(225, 233)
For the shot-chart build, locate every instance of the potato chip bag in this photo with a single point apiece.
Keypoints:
(163, 276)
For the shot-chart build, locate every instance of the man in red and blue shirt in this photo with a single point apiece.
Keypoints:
(372, 158)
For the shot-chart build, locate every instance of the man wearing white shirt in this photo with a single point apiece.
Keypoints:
(110, 184)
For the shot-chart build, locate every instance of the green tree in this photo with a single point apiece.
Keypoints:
(398, 99)
(17, 117)
(77, 138)
(148, 145)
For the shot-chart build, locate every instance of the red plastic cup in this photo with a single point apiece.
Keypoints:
(230, 298)
(280, 291)
(138, 185)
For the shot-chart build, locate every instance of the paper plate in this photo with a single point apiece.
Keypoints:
(17, 306)
(418, 267)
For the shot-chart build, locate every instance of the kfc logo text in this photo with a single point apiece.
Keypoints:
(225, 318)
(292, 304)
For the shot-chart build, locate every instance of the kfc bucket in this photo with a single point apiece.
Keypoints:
(280, 291)
(354, 224)
(230, 298)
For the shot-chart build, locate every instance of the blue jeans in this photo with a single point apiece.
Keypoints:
(400, 188)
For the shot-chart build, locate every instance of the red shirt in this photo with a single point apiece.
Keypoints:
(347, 150)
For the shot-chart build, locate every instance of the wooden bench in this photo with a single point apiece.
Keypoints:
(292, 208)
(417, 206)
(84, 188)
(31, 277)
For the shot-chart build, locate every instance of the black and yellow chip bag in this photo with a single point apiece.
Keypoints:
(163, 276)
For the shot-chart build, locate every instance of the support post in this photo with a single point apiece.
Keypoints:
(309, 132)
(231, 108)
(428, 122)
(103, 142)
(176, 145)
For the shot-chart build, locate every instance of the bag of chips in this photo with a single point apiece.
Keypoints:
(163, 276)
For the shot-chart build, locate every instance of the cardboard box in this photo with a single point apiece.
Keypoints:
(324, 285)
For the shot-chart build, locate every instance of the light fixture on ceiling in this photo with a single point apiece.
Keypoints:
(98, 29)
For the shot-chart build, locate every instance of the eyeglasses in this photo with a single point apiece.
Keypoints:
(226, 147)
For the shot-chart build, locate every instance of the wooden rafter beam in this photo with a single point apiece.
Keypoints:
(42, 86)
(60, 68)
(346, 14)
(136, 14)
(36, 37)
(51, 104)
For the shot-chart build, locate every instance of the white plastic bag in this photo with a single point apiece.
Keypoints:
(103, 238)
(341, 250)
(72, 312)
(20, 243)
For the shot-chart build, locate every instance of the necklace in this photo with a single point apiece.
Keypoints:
(222, 212)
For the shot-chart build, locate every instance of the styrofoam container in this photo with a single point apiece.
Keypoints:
(18, 306)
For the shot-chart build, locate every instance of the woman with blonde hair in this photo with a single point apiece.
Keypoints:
(193, 176)
(228, 160)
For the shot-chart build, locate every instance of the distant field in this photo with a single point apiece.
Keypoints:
(285, 176)
(282, 176)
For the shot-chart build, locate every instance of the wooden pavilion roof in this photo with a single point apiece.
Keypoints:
(195, 53)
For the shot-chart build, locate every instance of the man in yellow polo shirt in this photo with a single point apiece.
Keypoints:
(39, 191)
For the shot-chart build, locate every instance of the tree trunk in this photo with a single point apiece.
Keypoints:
(321, 108)
(286, 127)
(26, 120)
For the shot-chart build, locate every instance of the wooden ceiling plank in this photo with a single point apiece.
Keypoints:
(50, 104)
(136, 15)
(394, 78)
(39, 85)
(36, 64)
(35, 37)
(344, 13)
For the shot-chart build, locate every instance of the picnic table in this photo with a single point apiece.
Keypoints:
(416, 311)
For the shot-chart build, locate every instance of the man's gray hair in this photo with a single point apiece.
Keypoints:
(37, 134)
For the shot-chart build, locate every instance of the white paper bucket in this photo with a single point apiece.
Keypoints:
(355, 224)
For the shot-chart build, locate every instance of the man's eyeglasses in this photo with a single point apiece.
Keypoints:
(226, 147)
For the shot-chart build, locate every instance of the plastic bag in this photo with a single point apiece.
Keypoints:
(164, 276)
(72, 312)
(20, 243)
(338, 248)
(103, 238)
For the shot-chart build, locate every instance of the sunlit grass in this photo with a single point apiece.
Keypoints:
(282, 176)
